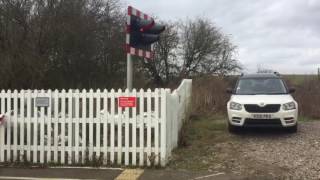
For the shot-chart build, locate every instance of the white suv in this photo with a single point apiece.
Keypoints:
(262, 100)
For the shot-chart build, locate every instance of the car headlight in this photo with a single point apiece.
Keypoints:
(289, 106)
(235, 106)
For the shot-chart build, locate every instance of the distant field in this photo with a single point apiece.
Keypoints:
(298, 79)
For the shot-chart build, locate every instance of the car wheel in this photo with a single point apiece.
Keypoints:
(234, 129)
(292, 129)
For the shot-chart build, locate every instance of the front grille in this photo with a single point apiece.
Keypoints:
(269, 108)
(249, 121)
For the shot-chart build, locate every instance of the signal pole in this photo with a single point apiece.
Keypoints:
(141, 32)
(129, 72)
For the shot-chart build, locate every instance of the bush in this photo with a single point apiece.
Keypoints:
(209, 94)
(308, 96)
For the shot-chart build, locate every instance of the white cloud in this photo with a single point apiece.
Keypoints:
(279, 34)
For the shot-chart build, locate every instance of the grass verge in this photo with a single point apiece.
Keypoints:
(201, 133)
(305, 119)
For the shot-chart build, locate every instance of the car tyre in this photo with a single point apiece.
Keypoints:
(292, 129)
(234, 129)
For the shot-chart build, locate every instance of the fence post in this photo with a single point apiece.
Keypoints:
(134, 132)
(90, 124)
(105, 121)
(15, 125)
(42, 124)
(63, 125)
(148, 126)
(77, 125)
(22, 123)
(112, 125)
(35, 128)
(176, 120)
(29, 104)
(126, 131)
(141, 127)
(84, 122)
(169, 122)
(98, 123)
(56, 125)
(163, 146)
(49, 126)
(156, 126)
(69, 126)
(169, 107)
(119, 129)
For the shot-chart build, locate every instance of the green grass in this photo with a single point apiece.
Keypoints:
(205, 128)
(201, 133)
(305, 119)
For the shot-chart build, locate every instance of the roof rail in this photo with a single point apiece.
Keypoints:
(276, 73)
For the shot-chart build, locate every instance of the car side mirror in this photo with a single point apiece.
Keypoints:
(229, 90)
(292, 90)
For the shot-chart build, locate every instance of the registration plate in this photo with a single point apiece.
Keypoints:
(262, 116)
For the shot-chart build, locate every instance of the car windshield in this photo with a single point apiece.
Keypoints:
(253, 86)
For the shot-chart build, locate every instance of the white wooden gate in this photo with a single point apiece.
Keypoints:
(73, 127)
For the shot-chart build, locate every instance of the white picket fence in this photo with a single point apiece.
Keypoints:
(80, 127)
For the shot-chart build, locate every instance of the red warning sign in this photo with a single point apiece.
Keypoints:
(127, 102)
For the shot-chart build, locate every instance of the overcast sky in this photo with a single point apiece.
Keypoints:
(283, 35)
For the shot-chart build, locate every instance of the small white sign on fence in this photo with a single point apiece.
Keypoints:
(42, 101)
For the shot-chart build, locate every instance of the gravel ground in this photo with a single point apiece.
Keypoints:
(272, 154)
(255, 154)
(298, 153)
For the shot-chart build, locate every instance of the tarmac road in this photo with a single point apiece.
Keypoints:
(58, 173)
(105, 174)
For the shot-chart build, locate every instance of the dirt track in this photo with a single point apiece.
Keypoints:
(262, 154)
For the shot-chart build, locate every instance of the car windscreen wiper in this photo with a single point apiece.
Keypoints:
(248, 94)
(262, 93)
(277, 93)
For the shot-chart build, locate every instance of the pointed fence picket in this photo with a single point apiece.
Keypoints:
(79, 127)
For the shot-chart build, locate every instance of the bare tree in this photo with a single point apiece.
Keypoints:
(61, 44)
(205, 50)
(163, 67)
(193, 48)
(222, 61)
(261, 69)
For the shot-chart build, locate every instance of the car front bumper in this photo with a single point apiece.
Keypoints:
(280, 118)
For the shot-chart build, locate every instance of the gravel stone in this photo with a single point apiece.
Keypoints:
(277, 154)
